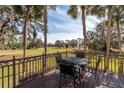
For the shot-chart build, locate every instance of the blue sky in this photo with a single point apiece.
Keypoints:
(61, 26)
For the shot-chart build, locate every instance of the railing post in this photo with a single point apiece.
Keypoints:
(23, 68)
(2, 76)
(66, 53)
(14, 72)
(43, 63)
(105, 62)
(120, 67)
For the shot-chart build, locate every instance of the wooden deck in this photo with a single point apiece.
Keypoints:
(51, 80)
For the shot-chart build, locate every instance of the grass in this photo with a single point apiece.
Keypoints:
(8, 54)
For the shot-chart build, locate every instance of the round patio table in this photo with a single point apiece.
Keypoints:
(77, 61)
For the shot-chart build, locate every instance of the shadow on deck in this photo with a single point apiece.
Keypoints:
(51, 80)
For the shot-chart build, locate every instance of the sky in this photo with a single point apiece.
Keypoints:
(62, 27)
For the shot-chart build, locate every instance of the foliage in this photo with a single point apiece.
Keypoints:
(96, 38)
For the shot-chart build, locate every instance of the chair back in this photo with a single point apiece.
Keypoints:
(58, 58)
(67, 69)
(98, 62)
(80, 54)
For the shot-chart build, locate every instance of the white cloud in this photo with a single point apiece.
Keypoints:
(67, 28)
(60, 14)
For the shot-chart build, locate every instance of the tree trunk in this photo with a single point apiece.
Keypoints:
(84, 28)
(120, 67)
(25, 37)
(45, 31)
(109, 29)
(108, 35)
(25, 33)
(118, 32)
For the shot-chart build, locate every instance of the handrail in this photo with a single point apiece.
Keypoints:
(19, 69)
(15, 72)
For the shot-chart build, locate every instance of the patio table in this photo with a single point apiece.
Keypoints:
(77, 61)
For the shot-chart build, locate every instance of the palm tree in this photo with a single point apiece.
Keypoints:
(109, 28)
(4, 20)
(29, 14)
(73, 12)
(24, 12)
(45, 31)
(7, 25)
(45, 19)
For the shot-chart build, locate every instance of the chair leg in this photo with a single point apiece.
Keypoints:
(97, 79)
(74, 82)
(60, 82)
(81, 80)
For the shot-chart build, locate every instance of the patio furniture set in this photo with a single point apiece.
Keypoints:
(75, 67)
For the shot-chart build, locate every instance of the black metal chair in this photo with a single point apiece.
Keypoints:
(58, 58)
(68, 70)
(95, 70)
(80, 54)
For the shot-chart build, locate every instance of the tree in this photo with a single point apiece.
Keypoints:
(100, 12)
(109, 29)
(67, 43)
(74, 43)
(45, 19)
(118, 13)
(45, 31)
(28, 14)
(96, 37)
(8, 29)
(73, 12)
(50, 45)
(80, 40)
(58, 43)
(38, 43)
(5, 18)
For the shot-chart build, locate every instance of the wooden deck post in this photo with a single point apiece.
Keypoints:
(43, 66)
(14, 72)
(2, 76)
(66, 53)
(120, 67)
(105, 62)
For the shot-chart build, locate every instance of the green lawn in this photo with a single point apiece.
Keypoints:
(8, 54)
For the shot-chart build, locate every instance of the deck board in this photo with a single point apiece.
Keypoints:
(51, 80)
